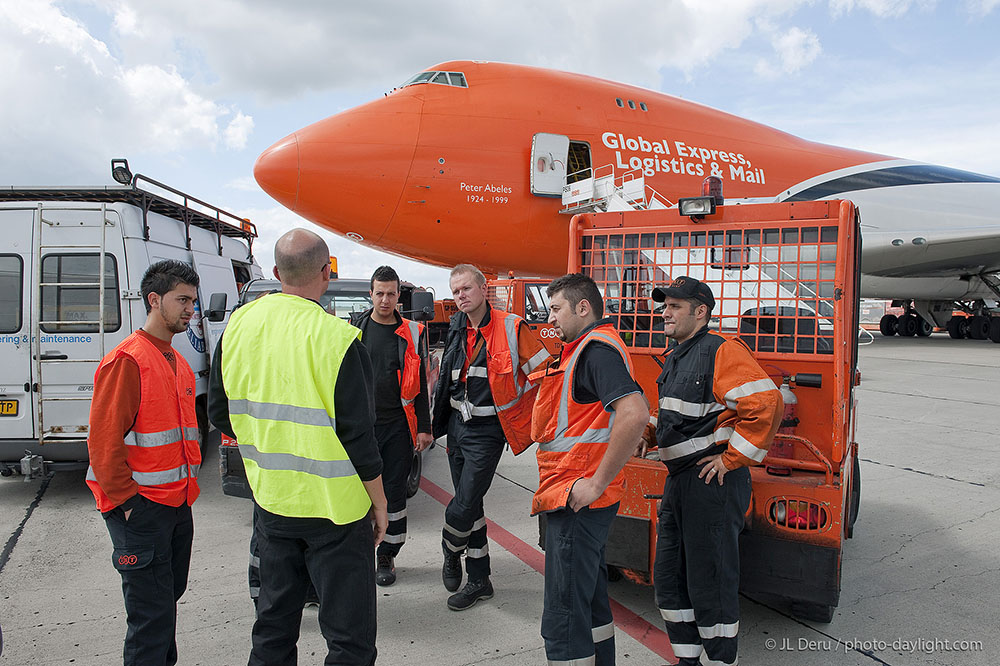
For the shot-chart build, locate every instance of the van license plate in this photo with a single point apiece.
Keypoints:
(8, 407)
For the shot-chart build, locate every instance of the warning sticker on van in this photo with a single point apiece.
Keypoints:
(195, 333)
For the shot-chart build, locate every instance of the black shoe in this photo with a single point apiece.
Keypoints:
(385, 572)
(473, 591)
(451, 572)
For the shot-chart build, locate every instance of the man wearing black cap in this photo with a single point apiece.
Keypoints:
(718, 413)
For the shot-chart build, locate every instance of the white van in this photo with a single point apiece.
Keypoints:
(55, 246)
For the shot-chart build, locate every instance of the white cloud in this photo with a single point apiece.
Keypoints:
(243, 184)
(982, 7)
(794, 49)
(78, 101)
(880, 8)
(238, 131)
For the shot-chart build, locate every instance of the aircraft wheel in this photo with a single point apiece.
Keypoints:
(979, 327)
(924, 327)
(955, 327)
(995, 329)
(888, 324)
(908, 325)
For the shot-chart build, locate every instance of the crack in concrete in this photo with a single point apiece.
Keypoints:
(915, 536)
(918, 471)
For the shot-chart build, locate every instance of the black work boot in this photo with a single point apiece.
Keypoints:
(473, 591)
(385, 572)
(451, 572)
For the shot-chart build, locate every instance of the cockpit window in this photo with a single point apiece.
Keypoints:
(456, 79)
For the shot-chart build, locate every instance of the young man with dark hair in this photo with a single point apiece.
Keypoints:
(483, 397)
(718, 413)
(144, 461)
(588, 420)
(398, 350)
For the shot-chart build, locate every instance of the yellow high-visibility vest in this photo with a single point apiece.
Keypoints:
(281, 356)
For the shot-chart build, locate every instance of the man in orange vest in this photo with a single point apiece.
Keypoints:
(588, 420)
(144, 460)
(402, 415)
(483, 397)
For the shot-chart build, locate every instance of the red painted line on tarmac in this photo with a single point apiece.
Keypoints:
(650, 636)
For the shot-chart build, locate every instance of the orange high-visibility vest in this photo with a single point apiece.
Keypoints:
(572, 437)
(513, 393)
(162, 448)
(409, 373)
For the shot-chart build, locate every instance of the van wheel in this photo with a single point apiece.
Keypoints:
(416, 469)
(201, 412)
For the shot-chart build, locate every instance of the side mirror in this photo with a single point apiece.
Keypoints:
(217, 307)
(422, 306)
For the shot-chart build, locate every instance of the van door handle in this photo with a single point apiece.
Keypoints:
(53, 356)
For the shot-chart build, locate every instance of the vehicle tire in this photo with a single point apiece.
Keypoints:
(854, 497)
(887, 325)
(979, 327)
(955, 327)
(201, 412)
(907, 326)
(416, 469)
(924, 327)
(813, 612)
(995, 329)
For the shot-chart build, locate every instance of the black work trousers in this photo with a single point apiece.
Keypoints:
(338, 561)
(696, 574)
(474, 450)
(396, 447)
(152, 552)
(576, 618)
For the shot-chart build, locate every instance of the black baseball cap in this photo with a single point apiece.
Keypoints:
(687, 288)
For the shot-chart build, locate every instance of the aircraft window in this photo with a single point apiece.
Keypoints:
(619, 102)
(631, 105)
(79, 304)
(441, 77)
(420, 77)
(11, 276)
(458, 79)
(642, 105)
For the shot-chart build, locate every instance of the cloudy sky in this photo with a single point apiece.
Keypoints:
(192, 91)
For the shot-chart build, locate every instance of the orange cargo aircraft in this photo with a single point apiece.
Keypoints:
(485, 162)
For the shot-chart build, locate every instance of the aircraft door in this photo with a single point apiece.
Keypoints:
(549, 153)
(16, 410)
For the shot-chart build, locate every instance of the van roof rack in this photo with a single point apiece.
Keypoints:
(170, 202)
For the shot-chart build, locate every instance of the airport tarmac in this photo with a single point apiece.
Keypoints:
(920, 578)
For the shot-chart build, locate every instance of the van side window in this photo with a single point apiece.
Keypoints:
(11, 290)
(77, 301)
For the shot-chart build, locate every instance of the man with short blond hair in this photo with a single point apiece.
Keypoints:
(483, 398)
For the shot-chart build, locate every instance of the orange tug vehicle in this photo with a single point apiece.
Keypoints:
(785, 277)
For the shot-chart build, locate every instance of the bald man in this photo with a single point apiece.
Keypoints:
(289, 388)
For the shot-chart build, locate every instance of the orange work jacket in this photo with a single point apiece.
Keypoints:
(513, 393)
(572, 437)
(409, 374)
(162, 449)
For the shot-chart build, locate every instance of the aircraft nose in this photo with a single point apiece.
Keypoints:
(346, 172)
(277, 171)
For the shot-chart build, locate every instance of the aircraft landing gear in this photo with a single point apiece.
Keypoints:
(888, 325)
(979, 327)
(994, 334)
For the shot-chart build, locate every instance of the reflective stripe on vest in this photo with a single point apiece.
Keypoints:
(162, 438)
(510, 329)
(327, 469)
(272, 411)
